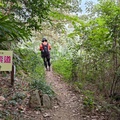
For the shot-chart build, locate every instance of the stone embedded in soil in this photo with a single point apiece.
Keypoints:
(56, 107)
(47, 101)
(35, 99)
(2, 98)
(46, 115)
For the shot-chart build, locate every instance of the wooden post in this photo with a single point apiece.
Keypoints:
(12, 75)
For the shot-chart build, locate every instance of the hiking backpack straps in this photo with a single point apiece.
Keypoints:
(45, 51)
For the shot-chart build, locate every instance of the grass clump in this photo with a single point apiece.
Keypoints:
(63, 67)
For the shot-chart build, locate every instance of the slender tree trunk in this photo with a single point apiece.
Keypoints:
(115, 61)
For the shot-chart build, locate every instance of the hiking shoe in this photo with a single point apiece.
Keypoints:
(49, 68)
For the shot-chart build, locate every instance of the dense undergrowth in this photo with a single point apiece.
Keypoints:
(63, 67)
(31, 66)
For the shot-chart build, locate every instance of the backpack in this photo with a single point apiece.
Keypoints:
(45, 51)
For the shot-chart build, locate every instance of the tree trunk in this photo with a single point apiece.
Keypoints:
(115, 61)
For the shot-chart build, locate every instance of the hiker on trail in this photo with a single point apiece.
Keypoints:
(45, 53)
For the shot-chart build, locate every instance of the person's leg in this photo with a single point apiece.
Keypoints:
(45, 62)
(48, 61)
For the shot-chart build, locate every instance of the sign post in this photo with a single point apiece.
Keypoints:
(12, 75)
(6, 63)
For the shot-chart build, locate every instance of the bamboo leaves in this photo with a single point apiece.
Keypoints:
(11, 30)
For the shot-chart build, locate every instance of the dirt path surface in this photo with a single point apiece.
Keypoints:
(67, 104)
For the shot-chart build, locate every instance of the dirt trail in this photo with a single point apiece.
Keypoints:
(68, 104)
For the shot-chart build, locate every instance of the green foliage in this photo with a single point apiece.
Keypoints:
(7, 115)
(95, 54)
(63, 67)
(62, 16)
(79, 85)
(18, 96)
(10, 117)
(19, 18)
(10, 30)
(13, 102)
(88, 101)
(31, 64)
(34, 12)
(42, 86)
(98, 43)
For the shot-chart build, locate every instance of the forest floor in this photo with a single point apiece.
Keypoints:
(67, 105)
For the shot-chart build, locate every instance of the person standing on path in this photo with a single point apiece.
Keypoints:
(45, 48)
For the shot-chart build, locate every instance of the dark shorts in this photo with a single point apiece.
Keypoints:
(45, 56)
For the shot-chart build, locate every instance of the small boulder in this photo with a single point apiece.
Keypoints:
(35, 100)
(47, 103)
